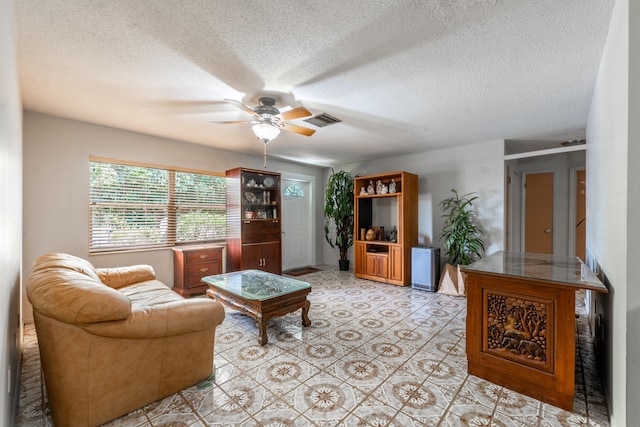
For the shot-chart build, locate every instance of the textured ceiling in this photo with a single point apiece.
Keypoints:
(404, 76)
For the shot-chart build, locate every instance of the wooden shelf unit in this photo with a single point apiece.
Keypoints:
(383, 260)
(254, 231)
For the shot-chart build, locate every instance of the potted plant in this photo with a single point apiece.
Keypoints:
(462, 237)
(338, 208)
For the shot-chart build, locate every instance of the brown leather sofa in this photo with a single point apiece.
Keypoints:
(113, 340)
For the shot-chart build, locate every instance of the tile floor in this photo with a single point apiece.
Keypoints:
(375, 355)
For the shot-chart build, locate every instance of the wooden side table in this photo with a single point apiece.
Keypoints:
(191, 264)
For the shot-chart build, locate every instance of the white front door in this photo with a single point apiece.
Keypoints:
(297, 224)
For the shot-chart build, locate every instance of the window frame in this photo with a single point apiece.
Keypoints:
(298, 193)
(171, 206)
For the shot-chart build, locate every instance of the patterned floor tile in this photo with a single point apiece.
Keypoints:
(360, 371)
(281, 418)
(515, 404)
(374, 355)
(324, 398)
(350, 336)
(321, 353)
(469, 416)
(284, 370)
(375, 416)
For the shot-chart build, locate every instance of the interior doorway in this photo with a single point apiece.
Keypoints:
(563, 225)
(538, 212)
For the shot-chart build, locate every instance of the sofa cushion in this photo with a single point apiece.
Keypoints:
(71, 296)
(70, 262)
(149, 293)
(124, 276)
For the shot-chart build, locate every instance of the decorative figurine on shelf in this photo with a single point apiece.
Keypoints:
(363, 192)
(392, 186)
(379, 187)
(384, 189)
(371, 189)
(393, 235)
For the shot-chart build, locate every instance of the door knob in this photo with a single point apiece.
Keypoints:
(548, 230)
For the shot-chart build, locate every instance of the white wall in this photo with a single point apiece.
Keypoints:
(474, 168)
(612, 213)
(10, 218)
(56, 184)
(633, 215)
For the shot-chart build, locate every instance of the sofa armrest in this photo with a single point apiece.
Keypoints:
(124, 276)
(163, 320)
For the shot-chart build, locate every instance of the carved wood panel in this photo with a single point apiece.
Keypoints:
(519, 329)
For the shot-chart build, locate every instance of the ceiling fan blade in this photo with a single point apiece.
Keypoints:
(296, 113)
(241, 106)
(298, 129)
(235, 122)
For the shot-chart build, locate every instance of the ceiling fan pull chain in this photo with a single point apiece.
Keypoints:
(265, 152)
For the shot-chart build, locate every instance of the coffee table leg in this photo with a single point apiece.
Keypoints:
(305, 313)
(262, 324)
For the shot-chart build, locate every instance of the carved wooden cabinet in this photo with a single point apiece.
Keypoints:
(521, 322)
(192, 263)
(254, 230)
(393, 206)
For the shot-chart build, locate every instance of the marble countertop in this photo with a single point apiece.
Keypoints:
(562, 270)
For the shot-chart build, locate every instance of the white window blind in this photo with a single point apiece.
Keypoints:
(136, 207)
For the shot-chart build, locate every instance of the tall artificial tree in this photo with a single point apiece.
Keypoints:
(338, 208)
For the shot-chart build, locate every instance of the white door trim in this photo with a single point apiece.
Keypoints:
(573, 181)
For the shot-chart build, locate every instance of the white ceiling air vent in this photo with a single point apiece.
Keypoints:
(322, 120)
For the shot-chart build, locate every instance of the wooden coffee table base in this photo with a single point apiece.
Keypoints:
(263, 310)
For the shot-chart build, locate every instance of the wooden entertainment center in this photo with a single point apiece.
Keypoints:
(385, 256)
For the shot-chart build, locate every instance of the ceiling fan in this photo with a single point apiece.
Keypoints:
(268, 121)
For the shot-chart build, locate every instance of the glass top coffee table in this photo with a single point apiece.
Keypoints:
(260, 295)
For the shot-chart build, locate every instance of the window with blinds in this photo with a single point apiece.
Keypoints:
(137, 207)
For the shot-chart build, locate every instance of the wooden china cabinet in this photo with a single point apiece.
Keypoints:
(254, 233)
(385, 256)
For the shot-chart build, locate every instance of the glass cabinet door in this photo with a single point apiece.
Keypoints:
(260, 196)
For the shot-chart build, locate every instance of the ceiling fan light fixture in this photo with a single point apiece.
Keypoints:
(265, 131)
